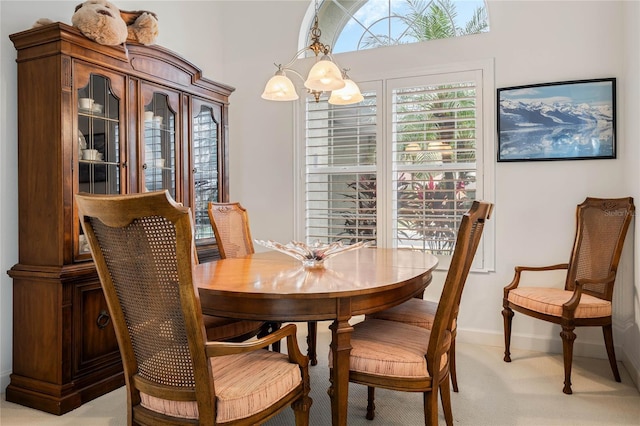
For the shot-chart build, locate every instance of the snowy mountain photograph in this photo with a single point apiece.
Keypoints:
(557, 121)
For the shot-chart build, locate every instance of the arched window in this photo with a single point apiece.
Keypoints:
(401, 167)
(364, 24)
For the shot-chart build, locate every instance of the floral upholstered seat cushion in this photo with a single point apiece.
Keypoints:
(550, 300)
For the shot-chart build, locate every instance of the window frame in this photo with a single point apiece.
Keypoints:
(485, 166)
(335, 16)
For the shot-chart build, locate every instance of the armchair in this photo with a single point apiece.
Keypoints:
(142, 245)
(585, 300)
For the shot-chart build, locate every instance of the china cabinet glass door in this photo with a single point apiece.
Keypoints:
(98, 113)
(98, 138)
(206, 166)
(160, 157)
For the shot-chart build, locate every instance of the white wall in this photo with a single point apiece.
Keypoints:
(629, 318)
(236, 42)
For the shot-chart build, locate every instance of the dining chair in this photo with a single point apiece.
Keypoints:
(230, 222)
(142, 246)
(420, 312)
(585, 300)
(405, 357)
(235, 330)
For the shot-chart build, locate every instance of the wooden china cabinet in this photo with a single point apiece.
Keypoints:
(103, 120)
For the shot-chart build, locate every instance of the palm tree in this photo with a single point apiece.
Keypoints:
(429, 202)
(430, 20)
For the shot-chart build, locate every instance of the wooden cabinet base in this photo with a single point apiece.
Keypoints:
(65, 352)
(59, 399)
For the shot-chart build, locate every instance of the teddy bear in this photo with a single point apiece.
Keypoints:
(142, 26)
(102, 22)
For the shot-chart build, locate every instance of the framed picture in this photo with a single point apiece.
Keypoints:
(569, 120)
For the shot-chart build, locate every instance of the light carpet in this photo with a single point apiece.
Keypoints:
(526, 392)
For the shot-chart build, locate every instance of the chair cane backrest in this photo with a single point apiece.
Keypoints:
(142, 248)
(468, 239)
(601, 228)
(230, 222)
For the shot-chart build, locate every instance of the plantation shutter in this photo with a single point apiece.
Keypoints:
(434, 169)
(407, 186)
(341, 159)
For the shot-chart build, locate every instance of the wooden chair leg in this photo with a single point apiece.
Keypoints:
(312, 338)
(611, 353)
(445, 397)
(507, 314)
(301, 411)
(452, 365)
(430, 400)
(371, 406)
(568, 336)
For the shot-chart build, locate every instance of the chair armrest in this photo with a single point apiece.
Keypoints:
(289, 331)
(572, 304)
(520, 269)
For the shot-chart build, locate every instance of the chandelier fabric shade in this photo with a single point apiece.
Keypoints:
(324, 76)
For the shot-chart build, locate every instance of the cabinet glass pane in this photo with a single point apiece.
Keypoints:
(160, 145)
(205, 161)
(98, 141)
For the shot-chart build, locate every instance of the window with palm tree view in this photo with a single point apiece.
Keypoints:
(408, 185)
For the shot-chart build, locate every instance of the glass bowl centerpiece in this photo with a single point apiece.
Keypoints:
(312, 256)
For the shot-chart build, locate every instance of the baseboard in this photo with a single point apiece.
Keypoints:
(5, 379)
(548, 344)
(631, 364)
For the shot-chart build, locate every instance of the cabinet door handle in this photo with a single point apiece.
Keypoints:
(195, 170)
(144, 166)
(103, 319)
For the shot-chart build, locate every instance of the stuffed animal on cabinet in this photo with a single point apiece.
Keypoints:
(102, 22)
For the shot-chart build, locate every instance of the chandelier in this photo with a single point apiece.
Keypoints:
(324, 76)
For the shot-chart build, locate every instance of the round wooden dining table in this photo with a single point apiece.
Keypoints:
(271, 286)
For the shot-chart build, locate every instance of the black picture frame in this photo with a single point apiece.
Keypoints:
(567, 120)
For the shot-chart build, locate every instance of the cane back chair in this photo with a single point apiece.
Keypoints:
(585, 300)
(230, 222)
(142, 245)
(405, 357)
(420, 312)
